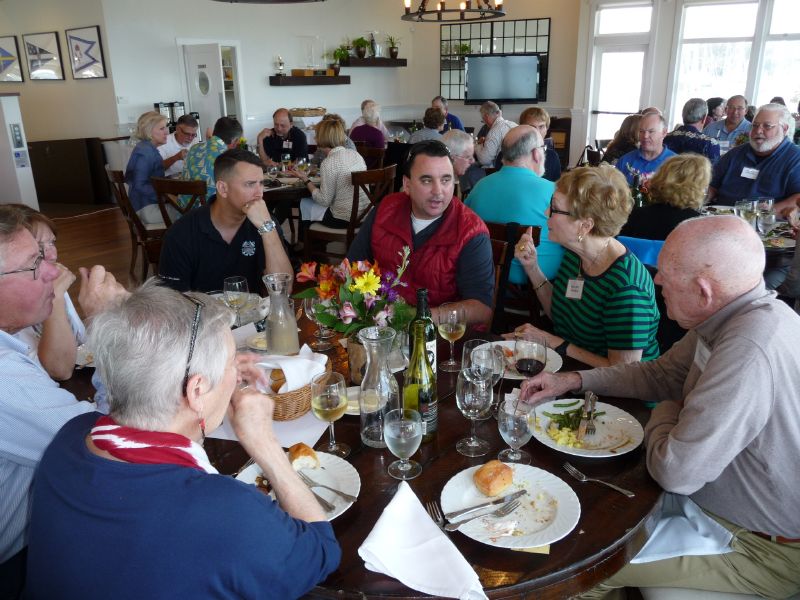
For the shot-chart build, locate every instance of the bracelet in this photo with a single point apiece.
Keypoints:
(541, 284)
(561, 349)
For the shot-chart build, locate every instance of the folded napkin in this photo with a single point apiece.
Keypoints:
(684, 530)
(299, 370)
(407, 545)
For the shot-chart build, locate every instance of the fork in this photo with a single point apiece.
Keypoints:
(435, 513)
(243, 467)
(326, 506)
(590, 428)
(312, 484)
(500, 512)
(584, 424)
(581, 477)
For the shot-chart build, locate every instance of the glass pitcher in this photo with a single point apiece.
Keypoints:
(281, 322)
(379, 390)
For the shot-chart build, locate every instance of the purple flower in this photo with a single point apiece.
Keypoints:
(381, 318)
(347, 313)
(392, 295)
(370, 300)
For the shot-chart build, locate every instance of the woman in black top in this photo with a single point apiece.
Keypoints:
(626, 139)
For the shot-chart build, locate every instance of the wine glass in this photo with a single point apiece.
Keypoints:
(466, 351)
(474, 398)
(302, 165)
(402, 431)
(530, 355)
(286, 160)
(746, 209)
(765, 204)
(236, 294)
(329, 403)
(272, 172)
(766, 222)
(491, 358)
(452, 325)
(323, 334)
(512, 421)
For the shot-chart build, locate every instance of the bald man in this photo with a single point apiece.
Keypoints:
(725, 431)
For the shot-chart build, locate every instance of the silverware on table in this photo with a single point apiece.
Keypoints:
(501, 500)
(312, 484)
(581, 433)
(581, 477)
(435, 513)
(326, 506)
(243, 467)
(500, 512)
(590, 428)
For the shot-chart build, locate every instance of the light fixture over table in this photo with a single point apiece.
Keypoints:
(460, 11)
(268, 1)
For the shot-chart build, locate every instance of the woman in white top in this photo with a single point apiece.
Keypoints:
(332, 202)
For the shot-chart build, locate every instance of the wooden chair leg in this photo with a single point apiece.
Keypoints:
(134, 251)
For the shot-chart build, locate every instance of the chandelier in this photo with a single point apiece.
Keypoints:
(482, 11)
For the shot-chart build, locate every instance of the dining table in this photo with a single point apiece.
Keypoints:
(611, 529)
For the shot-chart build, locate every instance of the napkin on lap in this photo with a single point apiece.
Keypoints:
(407, 545)
(299, 370)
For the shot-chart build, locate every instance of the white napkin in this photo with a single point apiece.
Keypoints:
(684, 530)
(299, 370)
(407, 545)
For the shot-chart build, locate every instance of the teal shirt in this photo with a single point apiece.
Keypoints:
(520, 195)
(617, 310)
(199, 164)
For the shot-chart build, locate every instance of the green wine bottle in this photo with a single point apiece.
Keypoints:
(419, 384)
(424, 315)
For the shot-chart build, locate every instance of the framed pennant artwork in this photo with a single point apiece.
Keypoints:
(10, 69)
(86, 53)
(44, 55)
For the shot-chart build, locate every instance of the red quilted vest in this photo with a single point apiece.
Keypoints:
(433, 265)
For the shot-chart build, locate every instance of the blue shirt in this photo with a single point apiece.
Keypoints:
(520, 195)
(107, 529)
(145, 162)
(718, 131)
(633, 163)
(32, 409)
(687, 138)
(777, 175)
(452, 122)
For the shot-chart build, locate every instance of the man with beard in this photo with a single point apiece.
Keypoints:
(769, 166)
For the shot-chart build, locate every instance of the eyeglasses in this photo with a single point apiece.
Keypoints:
(35, 268)
(764, 126)
(470, 158)
(189, 134)
(198, 309)
(555, 211)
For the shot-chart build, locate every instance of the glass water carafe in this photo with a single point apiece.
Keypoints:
(281, 322)
(379, 390)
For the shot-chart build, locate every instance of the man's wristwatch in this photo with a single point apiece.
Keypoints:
(561, 349)
(266, 227)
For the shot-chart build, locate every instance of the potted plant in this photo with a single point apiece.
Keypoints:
(393, 43)
(462, 49)
(360, 44)
(339, 56)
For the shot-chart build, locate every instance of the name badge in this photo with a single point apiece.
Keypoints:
(574, 289)
(287, 144)
(701, 354)
(724, 146)
(749, 172)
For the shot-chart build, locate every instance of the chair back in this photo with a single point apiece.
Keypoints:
(372, 156)
(375, 184)
(502, 263)
(646, 251)
(593, 157)
(397, 154)
(168, 190)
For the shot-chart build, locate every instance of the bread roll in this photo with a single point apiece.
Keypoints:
(493, 478)
(276, 380)
(303, 457)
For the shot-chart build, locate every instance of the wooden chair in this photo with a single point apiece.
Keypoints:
(372, 156)
(502, 264)
(396, 154)
(376, 184)
(146, 238)
(168, 190)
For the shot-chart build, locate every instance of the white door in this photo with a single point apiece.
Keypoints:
(204, 76)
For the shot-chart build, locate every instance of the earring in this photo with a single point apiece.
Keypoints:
(580, 238)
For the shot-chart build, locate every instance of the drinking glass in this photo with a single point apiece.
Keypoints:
(236, 294)
(466, 351)
(286, 160)
(323, 334)
(402, 431)
(452, 326)
(474, 399)
(512, 421)
(329, 403)
(530, 355)
(272, 172)
(764, 204)
(302, 165)
(766, 222)
(746, 209)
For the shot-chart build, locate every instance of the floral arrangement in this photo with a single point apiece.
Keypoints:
(742, 138)
(357, 295)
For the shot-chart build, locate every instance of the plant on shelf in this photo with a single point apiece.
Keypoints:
(360, 44)
(338, 56)
(462, 49)
(393, 43)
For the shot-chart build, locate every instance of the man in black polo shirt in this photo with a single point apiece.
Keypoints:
(233, 235)
(283, 138)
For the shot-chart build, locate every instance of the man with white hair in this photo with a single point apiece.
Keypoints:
(724, 434)
(462, 150)
(769, 166)
(689, 137)
(651, 153)
(488, 147)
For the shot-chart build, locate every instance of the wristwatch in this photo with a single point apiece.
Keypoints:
(561, 349)
(266, 227)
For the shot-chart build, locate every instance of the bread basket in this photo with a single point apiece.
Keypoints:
(294, 404)
(308, 112)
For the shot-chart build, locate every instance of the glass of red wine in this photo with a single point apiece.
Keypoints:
(530, 355)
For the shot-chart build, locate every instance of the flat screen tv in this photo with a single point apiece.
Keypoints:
(505, 78)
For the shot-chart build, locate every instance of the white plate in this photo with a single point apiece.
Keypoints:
(547, 513)
(554, 361)
(84, 358)
(617, 431)
(334, 472)
(785, 243)
(352, 401)
(718, 209)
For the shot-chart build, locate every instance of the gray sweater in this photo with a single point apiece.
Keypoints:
(728, 434)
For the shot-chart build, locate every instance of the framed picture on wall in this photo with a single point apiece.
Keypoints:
(44, 55)
(86, 53)
(10, 69)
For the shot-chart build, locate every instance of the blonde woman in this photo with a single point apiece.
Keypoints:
(602, 300)
(146, 162)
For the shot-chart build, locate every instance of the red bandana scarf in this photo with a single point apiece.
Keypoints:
(148, 447)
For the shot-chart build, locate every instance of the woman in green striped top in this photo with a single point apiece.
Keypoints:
(602, 301)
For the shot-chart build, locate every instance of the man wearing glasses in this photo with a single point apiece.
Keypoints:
(178, 144)
(732, 126)
(32, 406)
(462, 149)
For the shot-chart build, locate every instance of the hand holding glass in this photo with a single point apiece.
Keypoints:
(512, 421)
(236, 293)
(329, 403)
(402, 431)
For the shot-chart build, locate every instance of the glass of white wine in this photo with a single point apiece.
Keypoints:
(402, 431)
(236, 293)
(452, 326)
(746, 209)
(329, 403)
(302, 165)
(512, 421)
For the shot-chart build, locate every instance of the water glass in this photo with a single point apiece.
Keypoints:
(474, 399)
(767, 221)
(512, 421)
(764, 204)
(402, 431)
(236, 293)
(466, 351)
(329, 403)
(746, 209)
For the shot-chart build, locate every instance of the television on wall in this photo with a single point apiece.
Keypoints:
(505, 78)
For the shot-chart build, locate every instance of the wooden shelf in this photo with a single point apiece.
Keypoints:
(282, 80)
(374, 61)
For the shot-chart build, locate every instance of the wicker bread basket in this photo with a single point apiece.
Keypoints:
(292, 405)
(319, 111)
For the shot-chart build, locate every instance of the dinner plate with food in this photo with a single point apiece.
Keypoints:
(320, 467)
(555, 424)
(554, 361)
(548, 510)
(779, 243)
(717, 209)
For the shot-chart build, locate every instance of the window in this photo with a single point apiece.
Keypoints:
(625, 19)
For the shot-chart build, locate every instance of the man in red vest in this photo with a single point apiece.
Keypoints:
(451, 254)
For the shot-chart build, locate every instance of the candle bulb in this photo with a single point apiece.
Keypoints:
(498, 4)
(462, 7)
(408, 6)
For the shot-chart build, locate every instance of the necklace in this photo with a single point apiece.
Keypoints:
(599, 253)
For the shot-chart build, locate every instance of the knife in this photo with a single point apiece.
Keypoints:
(502, 500)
